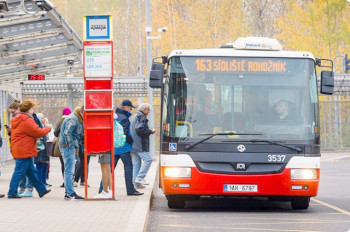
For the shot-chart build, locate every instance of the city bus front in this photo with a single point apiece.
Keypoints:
(240, 126)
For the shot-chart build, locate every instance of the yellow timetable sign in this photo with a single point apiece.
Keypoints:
(242, 65)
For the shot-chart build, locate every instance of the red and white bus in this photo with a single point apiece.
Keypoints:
(240, 120)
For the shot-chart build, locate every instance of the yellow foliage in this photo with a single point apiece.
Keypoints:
(319, 26)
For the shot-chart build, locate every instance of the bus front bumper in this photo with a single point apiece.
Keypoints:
(212, 184)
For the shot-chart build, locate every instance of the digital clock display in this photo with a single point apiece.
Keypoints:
(36, 77)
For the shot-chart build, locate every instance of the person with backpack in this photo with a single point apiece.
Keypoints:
(123, 143)
(140, 148)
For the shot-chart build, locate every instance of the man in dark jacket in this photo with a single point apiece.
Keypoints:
(140, 148)
(122, 116)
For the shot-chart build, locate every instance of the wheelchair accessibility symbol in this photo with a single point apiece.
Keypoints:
(172, 146)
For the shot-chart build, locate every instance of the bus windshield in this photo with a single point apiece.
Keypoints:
(271, 98)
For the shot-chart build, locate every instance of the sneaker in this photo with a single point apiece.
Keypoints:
(14, 197)
(20, 193)
(141, 181)
(73, 197)
(48, 185)
(75, 184)
(136, 193)
(110, 194)
(26, 194)
(44, 193)
(62, 186)
(103, 195)
(139, 186)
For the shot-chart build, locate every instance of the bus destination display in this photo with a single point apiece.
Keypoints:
(240, 65)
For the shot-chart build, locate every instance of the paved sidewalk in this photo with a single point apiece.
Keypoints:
(327, 156)
(53, 213)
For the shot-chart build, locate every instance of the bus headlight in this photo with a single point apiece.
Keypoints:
(177, 172)
(303, 174)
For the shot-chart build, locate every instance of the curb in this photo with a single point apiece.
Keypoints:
(139, 217)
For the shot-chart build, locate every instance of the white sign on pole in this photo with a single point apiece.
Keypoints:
(98, 61)
(98, 27)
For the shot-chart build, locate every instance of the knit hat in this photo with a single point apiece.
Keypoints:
(66, 111)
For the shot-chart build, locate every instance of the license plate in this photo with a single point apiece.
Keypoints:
(240, 188)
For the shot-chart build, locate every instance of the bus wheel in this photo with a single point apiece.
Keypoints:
(176, 202)
(300, 202)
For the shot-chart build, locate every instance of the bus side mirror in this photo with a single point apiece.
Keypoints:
(156, 75)
(327, 82)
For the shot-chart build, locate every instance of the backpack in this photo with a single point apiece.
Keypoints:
(119, 136)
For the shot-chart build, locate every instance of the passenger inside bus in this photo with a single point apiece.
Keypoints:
(282, 112)
(198, 114)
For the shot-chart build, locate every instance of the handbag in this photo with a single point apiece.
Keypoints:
(49, 148)
(56, 150)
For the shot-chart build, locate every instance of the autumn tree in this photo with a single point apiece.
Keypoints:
(321, 27)
(261, 14)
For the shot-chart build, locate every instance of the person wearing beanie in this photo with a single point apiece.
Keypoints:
(66, 111)
(56, 151)
(69, 140)
(24, 132)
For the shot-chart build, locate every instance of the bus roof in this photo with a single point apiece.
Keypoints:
(247, 47)
(241, 53)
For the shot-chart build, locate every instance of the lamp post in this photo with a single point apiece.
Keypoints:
(148, 30)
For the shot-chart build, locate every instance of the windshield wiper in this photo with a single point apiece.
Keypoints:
(189, 146)
(269, 142)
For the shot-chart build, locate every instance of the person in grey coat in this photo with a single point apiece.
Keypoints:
(140, 148)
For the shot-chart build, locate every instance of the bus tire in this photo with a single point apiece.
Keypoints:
(176, 202)
(300, 202)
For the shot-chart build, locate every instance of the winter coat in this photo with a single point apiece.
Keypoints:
(123, 118)
(24, 132)
(41, 145)
(140, 132)
(56, 150)
(71, 130)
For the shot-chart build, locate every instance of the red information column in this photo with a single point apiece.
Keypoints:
(98, 102)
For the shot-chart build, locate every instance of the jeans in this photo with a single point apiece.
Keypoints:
(126, 158)
(140, 171)
(41, 169)
(25, 167)
(68, 154)
(25, 183)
